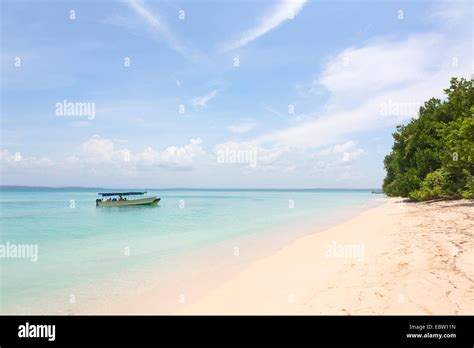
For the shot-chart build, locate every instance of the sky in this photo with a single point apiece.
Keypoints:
(218, 94)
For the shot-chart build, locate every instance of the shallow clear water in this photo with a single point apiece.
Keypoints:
(79, 242)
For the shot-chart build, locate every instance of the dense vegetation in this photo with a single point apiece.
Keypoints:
(433, 155)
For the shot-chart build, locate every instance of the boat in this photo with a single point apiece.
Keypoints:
(123, 199)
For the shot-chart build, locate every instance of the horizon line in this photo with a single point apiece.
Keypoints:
(190, 188)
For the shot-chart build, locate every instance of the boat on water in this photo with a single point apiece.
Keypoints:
(122, 199)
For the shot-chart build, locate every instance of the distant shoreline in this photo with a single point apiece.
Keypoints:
(374, 190)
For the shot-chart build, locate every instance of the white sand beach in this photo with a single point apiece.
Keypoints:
(397, 258)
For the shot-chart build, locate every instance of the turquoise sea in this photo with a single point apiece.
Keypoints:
(79, 243)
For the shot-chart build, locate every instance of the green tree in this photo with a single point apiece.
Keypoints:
(433, 155)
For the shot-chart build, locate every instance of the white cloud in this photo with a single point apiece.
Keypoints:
(380, 65)
(344, 152)
(19, 161)
(173, 157)
(274, 111)
(101, 154)
(97, 149)
(282, 11)
(337, 159)
(120, 21)
(254, 156)
(201, 102)
(453, 13)
(243, 127)
(403, 72)
(101, 157)
(157, 24)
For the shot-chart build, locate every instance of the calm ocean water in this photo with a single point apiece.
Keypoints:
(79, 243)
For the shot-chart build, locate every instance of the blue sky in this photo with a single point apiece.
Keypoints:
(318, 90)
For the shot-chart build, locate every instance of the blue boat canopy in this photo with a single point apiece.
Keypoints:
(106, 194)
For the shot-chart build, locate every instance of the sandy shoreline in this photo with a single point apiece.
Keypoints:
(397, 258)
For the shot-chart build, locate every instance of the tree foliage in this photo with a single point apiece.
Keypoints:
(433, 155)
